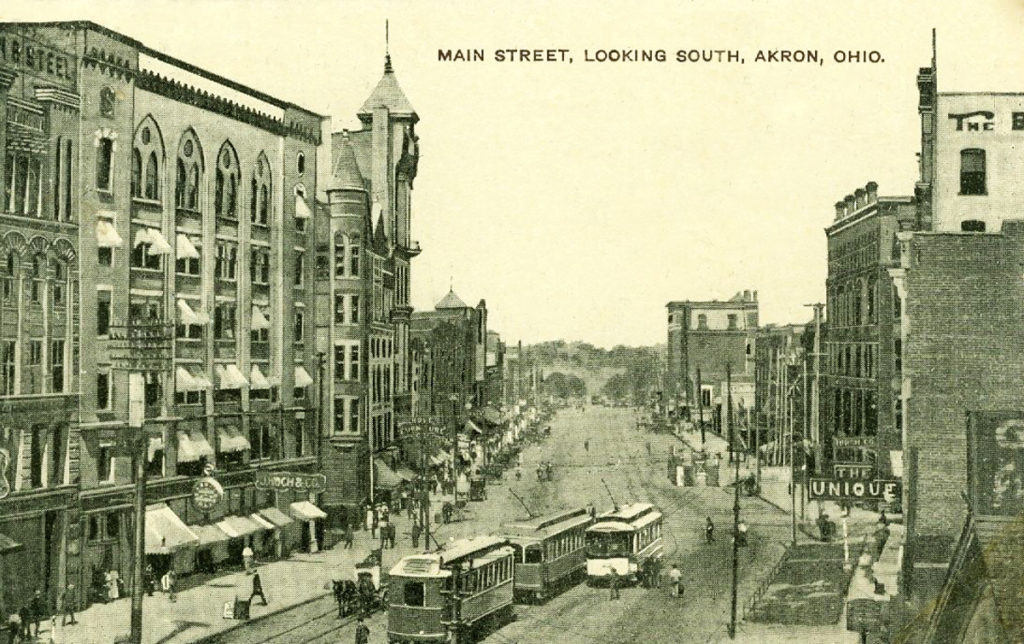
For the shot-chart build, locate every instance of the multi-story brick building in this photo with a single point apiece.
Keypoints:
(363, 279)
(860, 400)
(494, 377)
(780, 353)
(709, 336)
(140, 188)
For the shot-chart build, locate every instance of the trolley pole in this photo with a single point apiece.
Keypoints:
(735, 503)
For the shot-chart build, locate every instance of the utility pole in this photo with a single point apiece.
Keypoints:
(700, 409)
(815, 385)
(792, 468)
(735, 504)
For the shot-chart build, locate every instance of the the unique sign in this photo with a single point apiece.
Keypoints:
(299, 481)
(207, 493)
(854, 489)
(853, 471)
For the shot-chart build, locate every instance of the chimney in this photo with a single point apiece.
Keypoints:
(746, 296)
(860, 198)
(840, 210)
(755, 296)
(872, 189)
(850, 204)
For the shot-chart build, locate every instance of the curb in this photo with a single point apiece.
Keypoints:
(215, 637)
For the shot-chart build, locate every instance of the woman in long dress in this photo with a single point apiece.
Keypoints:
(112, 589)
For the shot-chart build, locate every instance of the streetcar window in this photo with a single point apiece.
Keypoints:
(533, 555)
(414, 594)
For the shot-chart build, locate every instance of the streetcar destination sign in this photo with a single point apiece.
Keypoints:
(291, 481)
(854, 489)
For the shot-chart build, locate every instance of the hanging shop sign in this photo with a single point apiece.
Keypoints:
(854, 489)
(303, 482)
(860, 471)
(207, 493)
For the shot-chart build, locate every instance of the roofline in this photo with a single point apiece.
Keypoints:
(865, 213)
(980, 94)
(167, 58)
(714, 303)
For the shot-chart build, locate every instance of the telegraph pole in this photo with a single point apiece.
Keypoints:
(735, 502)
(815, 385)
(700, 409)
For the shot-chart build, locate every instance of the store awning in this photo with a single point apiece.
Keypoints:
(257, 380)
(229, 439)
(229, 377)
(8, 544)
(165, 532)
(156, 443)
(406, 473)
(106, 235)
(275, 516)
(157, 243)
(306, 511)
(208, 534)
(261, 522)
(190, 379)
(492, 415)
(192, 447)
(302, 208)
(188, 315)
(259, 321)
(302, 378)
(186, 249)
(386, 478)
(236, 526)
(473, 427)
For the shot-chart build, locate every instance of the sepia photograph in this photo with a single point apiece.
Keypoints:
(511, 322)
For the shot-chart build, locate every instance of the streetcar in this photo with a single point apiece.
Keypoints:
(550, 552)
(626, 539)
(423, 604)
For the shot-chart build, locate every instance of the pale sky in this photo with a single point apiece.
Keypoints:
(578, 199)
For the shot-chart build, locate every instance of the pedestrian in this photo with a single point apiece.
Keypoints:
(257, 589)
(709, 530)
(369, 517)
(149, 579)
(519, 473)
(383, 530)
(586, 445)
(656, 573)
(362, 632)
(25, 619)
(884, 520)
(66, 605)
(13, 627)
(37, 607)
(741, 532)
(375, 521)
(348, 536)
(247, 558)
(416, 536)
(391, 536)
(167, 585)
(676, 577)
(113, 589)
(613, 585)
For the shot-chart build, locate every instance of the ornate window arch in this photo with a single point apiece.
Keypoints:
(260, 191)
(147, 157)
(225, 200)
(189, 172)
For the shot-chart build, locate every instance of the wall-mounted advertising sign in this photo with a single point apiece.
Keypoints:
(854, 489)
(266, 480)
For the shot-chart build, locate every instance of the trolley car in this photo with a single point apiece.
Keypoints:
(550, 552)
(625, 539)
(456, 590)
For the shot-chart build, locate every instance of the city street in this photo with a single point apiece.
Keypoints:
(618, 454)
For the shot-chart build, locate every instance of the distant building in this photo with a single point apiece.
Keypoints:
(779, 392)
(494, 375)
(708, 336)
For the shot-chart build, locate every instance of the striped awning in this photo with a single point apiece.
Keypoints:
(165, 532)
(230, 377)
(106, 235)
(258, 319)
(229, 439)
(192, 447)
(302, 210)
(186, 249)
(256, 379)
(306, 511)
(275, 516)
(236, 526)
(188, 315)
(302, 377)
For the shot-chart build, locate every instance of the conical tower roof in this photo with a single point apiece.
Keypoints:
(388, 94)
(451, 301)
(345, 174)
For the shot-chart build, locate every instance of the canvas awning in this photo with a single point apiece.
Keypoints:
(275, 516)
(260, 521)
(236, 526)
(302, 210)
(157, 243)
(156, 443)
(229, 377)
(165, 532)
(306, 511)
(406, 473)
(190, 379)
(302, 378)
(208, 534)
(386, 478)
(106, 235)
(229, 439)
(259, 321)
(257, 380)
(186, 249)
(192, 447)
(188, 315)
(473, 427)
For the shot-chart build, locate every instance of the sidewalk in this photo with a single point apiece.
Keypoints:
(198, 611)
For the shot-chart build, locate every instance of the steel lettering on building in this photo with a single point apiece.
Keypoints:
(984, 121)
(27, 54)
(854, 489)
(207, 493)
(291, 481)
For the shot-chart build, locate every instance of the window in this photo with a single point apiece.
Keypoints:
(353, 309)
(262, 334)
(300, 220)
(190, 265)
(972, 172)
(353, 362)
(732, 321)
(9, 277)
(224, 321)
(339, 362)
(104, 162)
(226, 263)
(300, 261)
(57, 366)
(58, 283)
(259, 266)
(103, 390)
(259, 192)
(702, 322)
(870, 306)
(339, 256)
(23, 183)
(972, 226)
(144, 255)
(8, 370)
(300, 163)
(35, 352)
(188, 171)
(897, 354)
(107, 102)
(105, 464)
(38, 279)
(136, 173)
(897, 305)
(102, 312)
(339, 309)
(62, 180)
(353, 416)
(299, 324)
(339, 412)
(154, 462)
(705, 395)
(225, 200)
(353, 259)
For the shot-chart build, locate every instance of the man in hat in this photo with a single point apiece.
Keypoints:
(66, 605)
(362, 632)
(257, 588)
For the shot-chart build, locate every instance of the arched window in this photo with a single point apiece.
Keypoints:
(872, 287)
(225, 196)
(260, 192)
(10, 276)
(147, 153)
(189, 172)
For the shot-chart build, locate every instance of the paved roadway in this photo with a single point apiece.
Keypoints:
(618, 455)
